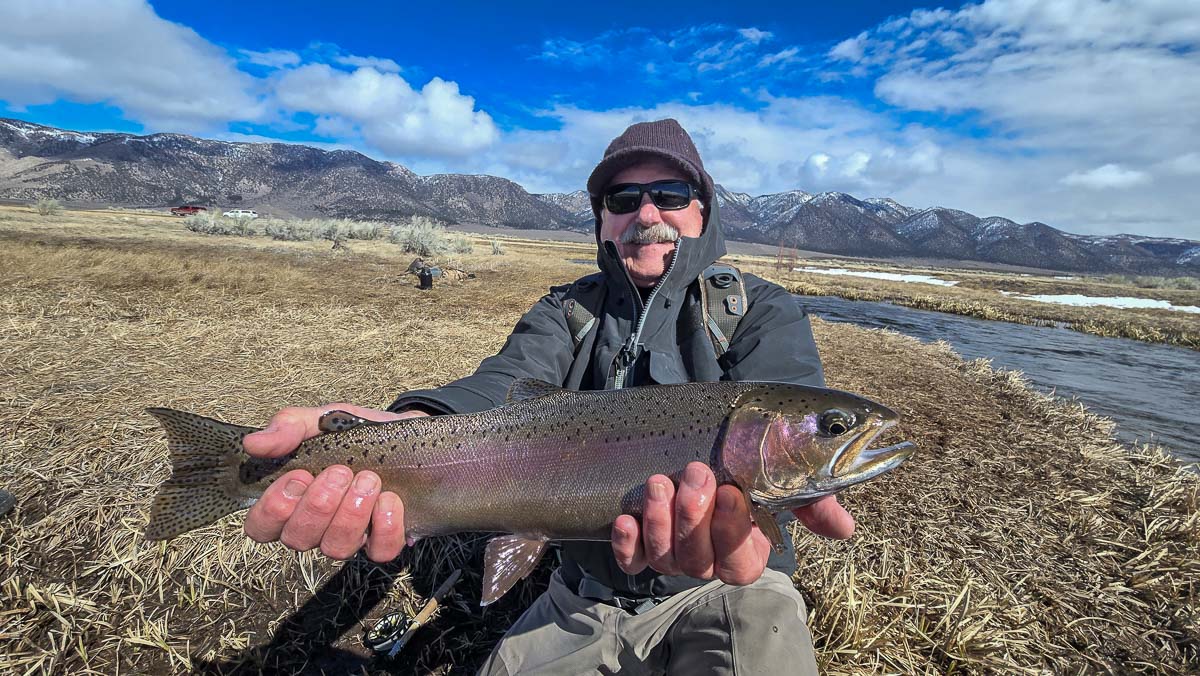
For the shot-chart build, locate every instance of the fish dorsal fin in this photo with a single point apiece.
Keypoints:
(529, 388)
(508, 559)
(340, 421)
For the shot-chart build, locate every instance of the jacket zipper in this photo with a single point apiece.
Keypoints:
(630, 350)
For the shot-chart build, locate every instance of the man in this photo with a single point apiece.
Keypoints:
(691, 588)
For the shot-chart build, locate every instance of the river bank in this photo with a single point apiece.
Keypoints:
(976, 293)
(1151, 391)
(1022, 537)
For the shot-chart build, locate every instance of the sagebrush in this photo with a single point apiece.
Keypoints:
(48, 206)
(425, 237)
(209, 223)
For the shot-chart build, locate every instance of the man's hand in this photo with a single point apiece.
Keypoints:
(705, 531)
(333, 510)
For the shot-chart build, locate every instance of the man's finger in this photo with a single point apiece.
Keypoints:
(627, 545)
(293, 425)
(740, 557)
(346, 531)
(693, 518)
(387, 528)
(283, 433)
(313, 515)
(658, 525)
(826, 517)
(265, 520)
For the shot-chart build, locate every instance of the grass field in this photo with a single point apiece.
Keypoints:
(1020, 539)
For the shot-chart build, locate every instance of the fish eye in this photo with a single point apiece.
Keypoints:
(836, 422)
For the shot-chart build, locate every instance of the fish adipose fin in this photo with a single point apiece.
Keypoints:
(529, 388)
(508, 559)
(206, 459)
(340, 421)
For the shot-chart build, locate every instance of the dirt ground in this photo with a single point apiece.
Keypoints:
(1020, 539)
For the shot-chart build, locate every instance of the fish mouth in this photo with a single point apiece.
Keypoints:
(852, 463)
(855, 463)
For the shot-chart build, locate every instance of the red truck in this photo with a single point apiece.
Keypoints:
(187, 211)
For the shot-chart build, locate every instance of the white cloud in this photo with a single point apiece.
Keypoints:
(380, 64)
(819, 143)
(1073, 75)
(169, 78)
(704, 55)
(1187, 164)
(755, 35)
(390, 115)
(120, 53)
(1048, 87)
(271, 58)
(789, 55)
(1105, 177)
(850, 49)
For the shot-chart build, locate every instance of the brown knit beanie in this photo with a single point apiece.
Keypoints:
(662, 139)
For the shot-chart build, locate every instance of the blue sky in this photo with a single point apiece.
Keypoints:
(1078, 113)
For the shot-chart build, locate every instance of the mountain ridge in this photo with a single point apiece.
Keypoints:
(167, 169)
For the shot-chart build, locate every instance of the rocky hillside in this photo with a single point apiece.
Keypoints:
(278, 178)
(162, 170)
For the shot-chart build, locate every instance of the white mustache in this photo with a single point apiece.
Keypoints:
(659, 232)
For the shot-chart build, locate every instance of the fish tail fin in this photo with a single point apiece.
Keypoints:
(206, 456)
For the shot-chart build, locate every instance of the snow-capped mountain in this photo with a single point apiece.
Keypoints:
(161, 170)
(278, 178)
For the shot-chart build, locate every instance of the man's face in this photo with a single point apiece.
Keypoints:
(646, 263)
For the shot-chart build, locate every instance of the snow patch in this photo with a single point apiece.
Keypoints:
(889, 276)
(1106, 301)
(71, 136)
(25, 131)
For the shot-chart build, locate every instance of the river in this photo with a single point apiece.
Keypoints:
(1151, 391)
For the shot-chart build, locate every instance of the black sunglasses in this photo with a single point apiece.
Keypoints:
(669, 195)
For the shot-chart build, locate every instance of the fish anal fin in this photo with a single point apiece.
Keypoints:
(765, 520)
(529, 388)
(340, 421)
(508, 559)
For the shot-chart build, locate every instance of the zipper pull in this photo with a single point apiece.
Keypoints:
(628, 354)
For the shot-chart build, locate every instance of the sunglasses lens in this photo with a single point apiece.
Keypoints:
(627, 197)
(671, 195)
(623, 199)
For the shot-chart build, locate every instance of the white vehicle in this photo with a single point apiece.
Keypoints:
(240, 213)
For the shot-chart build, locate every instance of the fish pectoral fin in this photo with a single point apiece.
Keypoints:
(529, 388)
(340, 421)
(508, 559)
(766, 523)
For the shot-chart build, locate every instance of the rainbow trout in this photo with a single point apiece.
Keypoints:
(551, 464)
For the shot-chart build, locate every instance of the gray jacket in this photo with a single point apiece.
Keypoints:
(773, 342)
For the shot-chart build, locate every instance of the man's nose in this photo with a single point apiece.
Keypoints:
(648, 213)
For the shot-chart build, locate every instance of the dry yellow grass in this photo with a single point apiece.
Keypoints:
(1020, 539)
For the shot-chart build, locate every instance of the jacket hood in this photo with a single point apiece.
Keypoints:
(692, 256)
